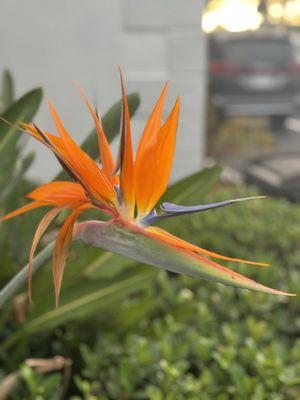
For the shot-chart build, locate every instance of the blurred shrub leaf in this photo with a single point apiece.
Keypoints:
(23, 109)
(78, 305)
(15, 237)
(7, 91)
(193, 187)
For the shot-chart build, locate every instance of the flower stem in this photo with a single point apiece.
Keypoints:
(20, 280)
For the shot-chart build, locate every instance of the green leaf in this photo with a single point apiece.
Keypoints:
(111, 126)
(107, 265)
(136, 311)
(95, 300)
(8, 154)
(10, 188)
(194, 187)
(7, 91)
(23, 109)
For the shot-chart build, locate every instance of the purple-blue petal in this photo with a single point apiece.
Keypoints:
(150, 218)
(174, 210)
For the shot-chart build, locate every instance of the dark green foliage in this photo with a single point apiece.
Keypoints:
(14, 164)
(178, 337)
(7, 91)
(199, 337)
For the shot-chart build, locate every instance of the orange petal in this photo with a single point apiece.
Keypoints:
(22, 210)
(97, 184)
(56, 145)
(146, 157)
(62, 245)
(165, 155)
(106, 157)
(60, 193)
(126, 157)
(182, 244)
(42, 227)
(33, 131)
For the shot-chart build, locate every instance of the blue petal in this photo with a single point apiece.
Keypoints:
(119, 194)
(148, 219)
(173, 210)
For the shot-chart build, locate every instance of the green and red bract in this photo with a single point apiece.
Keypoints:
(127, 190)
(148, 246)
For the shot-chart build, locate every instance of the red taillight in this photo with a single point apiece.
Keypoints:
(295, 69)
(222, 68)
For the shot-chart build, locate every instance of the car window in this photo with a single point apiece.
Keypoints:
(258, 51)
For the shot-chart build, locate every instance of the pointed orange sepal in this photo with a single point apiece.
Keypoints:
(106, 157)
(56, 145)
(165, 155)
(146, 158)
(62, 245)
(60, 193)
(42, 227)
(52, 139)
(22, 210)
(126, 161)
(182, 244)
(90, 176)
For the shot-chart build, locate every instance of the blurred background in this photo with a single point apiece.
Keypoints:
(253, 90)
(124, 330)
(60, 44)
(238, 76)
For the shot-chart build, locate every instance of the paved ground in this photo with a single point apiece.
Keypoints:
(289, 137)
(269, 159)
(241, 140)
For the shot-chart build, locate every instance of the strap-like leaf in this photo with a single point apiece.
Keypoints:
(7, 91)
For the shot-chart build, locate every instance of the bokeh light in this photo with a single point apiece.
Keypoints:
(276, 10)
(245, 15)
(233, 16)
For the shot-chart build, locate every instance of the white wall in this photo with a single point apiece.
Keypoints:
(63, 42)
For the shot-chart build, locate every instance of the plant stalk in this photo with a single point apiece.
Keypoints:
(20, 280)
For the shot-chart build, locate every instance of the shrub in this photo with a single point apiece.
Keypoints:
(181, 338)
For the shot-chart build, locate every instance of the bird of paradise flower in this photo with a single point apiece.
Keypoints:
(126, 190)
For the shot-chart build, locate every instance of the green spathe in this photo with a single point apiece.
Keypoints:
(134, 242)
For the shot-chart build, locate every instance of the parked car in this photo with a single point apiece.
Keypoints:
(253, 74)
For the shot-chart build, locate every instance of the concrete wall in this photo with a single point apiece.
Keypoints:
(60, 43)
